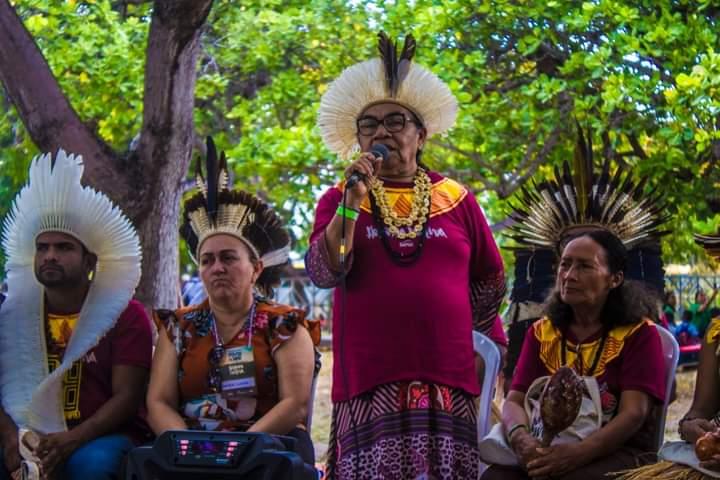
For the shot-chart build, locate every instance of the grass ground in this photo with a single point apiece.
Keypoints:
(323, 408)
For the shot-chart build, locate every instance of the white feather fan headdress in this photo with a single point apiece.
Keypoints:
(387, 79)
(55, 200)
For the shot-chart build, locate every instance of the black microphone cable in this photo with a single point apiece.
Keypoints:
(341, 341)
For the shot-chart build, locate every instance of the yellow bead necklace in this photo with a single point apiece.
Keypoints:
(419, 208)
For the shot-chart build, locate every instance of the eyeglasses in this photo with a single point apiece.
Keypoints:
(393, 123)
(214, 380)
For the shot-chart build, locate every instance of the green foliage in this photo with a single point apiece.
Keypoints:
(643, 75)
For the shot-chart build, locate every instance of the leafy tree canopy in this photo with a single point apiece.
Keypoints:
(643, 75)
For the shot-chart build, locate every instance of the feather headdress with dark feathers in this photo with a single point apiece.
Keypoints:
(216, 209)
(570, 202)
(577, 199)
(711, 244)
(396, 68)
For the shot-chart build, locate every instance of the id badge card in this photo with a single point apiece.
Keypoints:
(237, 372)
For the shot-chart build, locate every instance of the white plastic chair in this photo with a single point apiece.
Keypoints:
(671, 355)
(490, 354)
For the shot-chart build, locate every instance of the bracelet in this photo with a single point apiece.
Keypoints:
(514, 429)
(348, 212)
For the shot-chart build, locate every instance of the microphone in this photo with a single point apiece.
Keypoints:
(379, 151)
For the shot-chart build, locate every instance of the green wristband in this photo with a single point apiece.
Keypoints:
(347, 212)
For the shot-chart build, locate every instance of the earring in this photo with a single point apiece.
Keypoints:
(91, 275)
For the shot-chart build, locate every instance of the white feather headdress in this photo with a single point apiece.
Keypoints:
(387, 79)
(55, 200)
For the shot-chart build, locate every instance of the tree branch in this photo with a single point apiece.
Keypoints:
(538, 160)
(507, 85)
(471, 155)
(43, 108)
(565, 105)
(607, 151)
(637, 148)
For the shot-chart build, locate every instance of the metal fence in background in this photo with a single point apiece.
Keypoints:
(686, 286)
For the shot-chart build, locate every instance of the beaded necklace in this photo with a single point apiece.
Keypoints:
(249, 330)
(419, 208)
(385, 221)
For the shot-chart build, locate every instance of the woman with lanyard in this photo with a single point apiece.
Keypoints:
(416, 270)
(237, 361)
(596, 321)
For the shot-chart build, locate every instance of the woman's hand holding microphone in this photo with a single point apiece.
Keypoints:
(361, 171)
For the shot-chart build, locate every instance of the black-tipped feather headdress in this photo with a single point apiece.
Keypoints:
(216, 209)
(711, 244)
(581, 199)
(553, 210)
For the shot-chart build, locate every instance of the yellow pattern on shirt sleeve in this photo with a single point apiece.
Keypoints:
(713, 331)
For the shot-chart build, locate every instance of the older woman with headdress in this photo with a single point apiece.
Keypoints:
(697, 456)
(237, 361)
(599, 324)
(596, 322)
(416, 269)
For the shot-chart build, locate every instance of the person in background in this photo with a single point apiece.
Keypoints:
(75, 349)
(700, 310)
(668, 310)
(686, 333)
(193, 291)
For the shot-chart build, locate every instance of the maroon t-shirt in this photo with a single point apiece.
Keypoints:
(129, 342)
(497, 332)
(631, 359)
(415, 322)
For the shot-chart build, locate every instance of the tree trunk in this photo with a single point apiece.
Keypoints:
(166, 142)
(145, 183)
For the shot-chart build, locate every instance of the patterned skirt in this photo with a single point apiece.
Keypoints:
(405, 431)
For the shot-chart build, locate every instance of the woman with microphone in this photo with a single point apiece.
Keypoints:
(415, 270)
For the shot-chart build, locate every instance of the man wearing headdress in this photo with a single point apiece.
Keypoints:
(75, 349)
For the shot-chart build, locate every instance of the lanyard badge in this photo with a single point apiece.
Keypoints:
(237, 372)
(234, 371)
